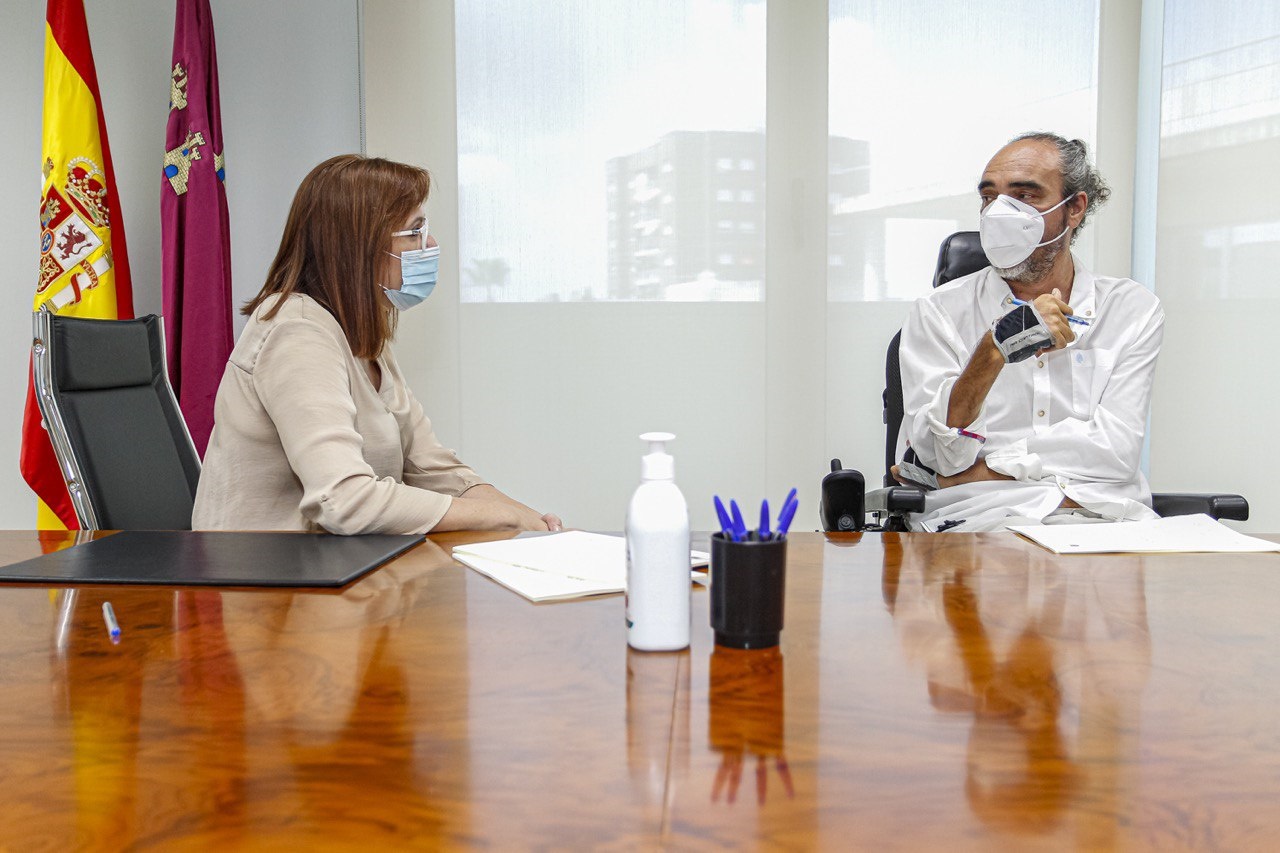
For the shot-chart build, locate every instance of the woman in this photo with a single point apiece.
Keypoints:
(314, 426)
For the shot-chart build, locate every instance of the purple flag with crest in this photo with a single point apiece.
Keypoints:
(195, 228)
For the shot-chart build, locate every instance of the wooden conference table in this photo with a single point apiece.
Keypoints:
(959, 691)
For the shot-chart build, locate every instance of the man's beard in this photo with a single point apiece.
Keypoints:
(1035, 267)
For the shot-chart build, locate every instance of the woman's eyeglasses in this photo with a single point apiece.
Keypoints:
(419, 234)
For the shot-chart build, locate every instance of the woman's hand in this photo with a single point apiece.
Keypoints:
(483, 513)
(482, 507)
(522, 518)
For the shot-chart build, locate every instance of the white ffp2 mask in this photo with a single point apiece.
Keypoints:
(1010, 230)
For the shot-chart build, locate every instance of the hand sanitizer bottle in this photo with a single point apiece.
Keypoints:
(658, 579)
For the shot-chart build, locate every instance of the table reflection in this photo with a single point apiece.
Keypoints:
(1047, 657)
(235, 684)
(746, 694)
(657, 719)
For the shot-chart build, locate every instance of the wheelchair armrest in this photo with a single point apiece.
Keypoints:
(1231, 507)
(896, 499)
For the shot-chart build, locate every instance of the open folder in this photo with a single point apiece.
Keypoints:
(1179, 533)
(573, 564)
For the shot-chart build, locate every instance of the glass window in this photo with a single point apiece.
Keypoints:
(1218, 236)
(921, 94)
(1217, 249)
(557, 101)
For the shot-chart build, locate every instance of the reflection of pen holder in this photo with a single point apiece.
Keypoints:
(748, 582)
(745, 694)
(746, 697)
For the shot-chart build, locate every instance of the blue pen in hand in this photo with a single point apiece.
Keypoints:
(726, 525)
(1071, 318)
(764, 534)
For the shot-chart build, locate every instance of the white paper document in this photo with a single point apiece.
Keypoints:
(1179, 533)
(572, 564)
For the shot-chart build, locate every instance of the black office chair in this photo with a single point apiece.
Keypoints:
(960, 255)
(123, 447)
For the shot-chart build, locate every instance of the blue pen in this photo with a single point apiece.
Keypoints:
(784, 522)
(109, 616)
(726, 526)
(1072, 318)
(791, 495)
(764, 521)
(739, 526)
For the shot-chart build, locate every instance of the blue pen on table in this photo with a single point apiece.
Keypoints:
(764, 534)
(109, 616)
(1071, 318)
(726, 524)
(739, 526)
(784, 521)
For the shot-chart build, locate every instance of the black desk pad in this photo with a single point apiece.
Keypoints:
(205, 558)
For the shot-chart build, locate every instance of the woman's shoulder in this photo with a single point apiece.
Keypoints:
(295, 306)
(299, 318)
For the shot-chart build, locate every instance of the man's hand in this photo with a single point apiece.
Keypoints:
(977, 472)
(1053, 314)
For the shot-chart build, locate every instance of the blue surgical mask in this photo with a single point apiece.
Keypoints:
(418, 271)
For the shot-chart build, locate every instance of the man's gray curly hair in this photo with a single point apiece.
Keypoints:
(1078, 174)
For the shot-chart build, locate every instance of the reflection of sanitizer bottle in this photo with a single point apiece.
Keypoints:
(657, 554)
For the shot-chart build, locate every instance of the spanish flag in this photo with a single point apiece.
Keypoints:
(84, 270)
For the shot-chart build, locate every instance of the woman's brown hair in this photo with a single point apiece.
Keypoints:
(335, 240)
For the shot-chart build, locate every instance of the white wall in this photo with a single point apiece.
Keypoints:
(546, 399)
(290, 82)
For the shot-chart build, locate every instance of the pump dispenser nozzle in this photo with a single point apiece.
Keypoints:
(657, 464)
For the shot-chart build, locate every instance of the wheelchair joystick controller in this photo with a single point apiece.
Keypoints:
(843, 499)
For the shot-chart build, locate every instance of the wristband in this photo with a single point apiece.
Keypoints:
(1020, 334)
(981, 439)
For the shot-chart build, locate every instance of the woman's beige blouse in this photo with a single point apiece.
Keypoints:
(303, 441)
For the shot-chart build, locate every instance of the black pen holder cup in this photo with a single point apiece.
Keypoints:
(748, 586)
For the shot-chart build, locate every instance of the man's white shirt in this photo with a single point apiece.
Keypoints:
(1067, 424)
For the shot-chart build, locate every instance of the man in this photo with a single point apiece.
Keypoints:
(1026, 385)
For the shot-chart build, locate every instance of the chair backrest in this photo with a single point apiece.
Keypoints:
(115, 425)
(959, 255)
